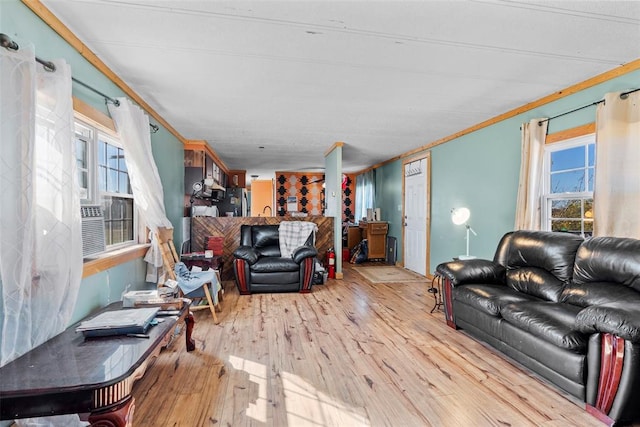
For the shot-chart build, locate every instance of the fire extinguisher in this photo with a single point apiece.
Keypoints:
(331, 261)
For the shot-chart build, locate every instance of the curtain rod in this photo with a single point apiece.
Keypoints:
(8, 43)
(623, 95)
(107, 98)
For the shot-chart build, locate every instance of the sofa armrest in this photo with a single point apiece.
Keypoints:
(618, 318)
(246, 253)
(472, 271)
(302, 252)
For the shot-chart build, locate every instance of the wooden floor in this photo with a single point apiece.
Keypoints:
(348, 354)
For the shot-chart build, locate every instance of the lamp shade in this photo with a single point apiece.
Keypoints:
(460, 216)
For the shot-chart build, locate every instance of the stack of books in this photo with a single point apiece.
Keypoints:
(135, 299)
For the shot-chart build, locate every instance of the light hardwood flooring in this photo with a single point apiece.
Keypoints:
(350, 353)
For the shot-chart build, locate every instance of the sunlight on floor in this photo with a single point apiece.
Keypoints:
(305, 404)
(258, 375)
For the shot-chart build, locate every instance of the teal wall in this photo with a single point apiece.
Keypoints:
(481, 171)
(168, 153)
(108, 286)
(18, 22)
(388, 197)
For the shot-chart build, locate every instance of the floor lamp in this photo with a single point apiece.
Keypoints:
(460, 216)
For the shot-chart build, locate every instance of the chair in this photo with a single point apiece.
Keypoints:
(215, 261)
(196, 284)
(259, 265)
(186, 247)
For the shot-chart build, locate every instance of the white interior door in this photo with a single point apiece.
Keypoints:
(415, 220)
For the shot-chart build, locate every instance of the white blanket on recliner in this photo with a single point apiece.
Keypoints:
(293, 234)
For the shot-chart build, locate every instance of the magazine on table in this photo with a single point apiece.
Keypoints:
(119, 322)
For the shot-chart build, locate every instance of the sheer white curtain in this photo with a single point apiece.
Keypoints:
(365, 193)
(18, 111)
(40, 228)
(616, 193)
(132, 125)
(530, 186)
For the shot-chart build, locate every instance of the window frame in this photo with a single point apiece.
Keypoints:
(90, 191)
(548, 198)
(95, 195)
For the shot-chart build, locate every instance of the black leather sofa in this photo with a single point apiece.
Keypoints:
(259, 267)
(566, 308)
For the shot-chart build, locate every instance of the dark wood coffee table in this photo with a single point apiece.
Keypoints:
(70, 374)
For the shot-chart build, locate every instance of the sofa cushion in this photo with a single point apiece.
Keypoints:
(609, 259)
(553, 322)
(274, 265)
(551, 251)
(265, 239)
(488, 298)
(566, 368)
(588, 294)
(535, 281)
(275, 280)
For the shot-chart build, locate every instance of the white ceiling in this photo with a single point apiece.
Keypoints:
(382, 77)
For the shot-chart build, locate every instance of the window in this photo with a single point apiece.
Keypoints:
(104, 180)
(568, 188)
(115, 192)
(365, 193)
(83, 138)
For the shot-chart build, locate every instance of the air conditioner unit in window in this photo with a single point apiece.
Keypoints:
(93, 241)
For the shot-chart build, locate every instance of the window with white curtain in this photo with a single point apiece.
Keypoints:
(104, 180)
(569, 170)
(365, 193)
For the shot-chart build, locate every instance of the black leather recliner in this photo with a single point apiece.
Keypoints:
(259, 266)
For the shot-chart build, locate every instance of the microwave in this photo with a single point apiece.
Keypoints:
(217, 195)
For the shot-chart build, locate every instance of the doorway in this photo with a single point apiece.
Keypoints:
(416, 218)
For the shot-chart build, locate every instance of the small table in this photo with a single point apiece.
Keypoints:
(436, 291)
(72, 375)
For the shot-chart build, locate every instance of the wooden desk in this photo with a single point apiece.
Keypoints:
(376, 234)
(71, 375)
(354, 236)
